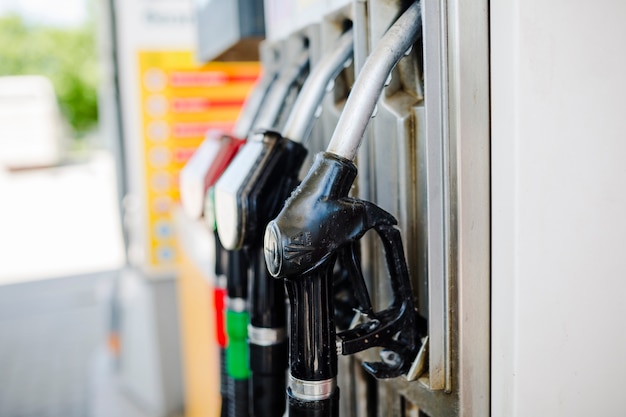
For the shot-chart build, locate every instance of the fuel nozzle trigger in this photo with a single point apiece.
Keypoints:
(395, 329)
(349, 260)
(298, 244)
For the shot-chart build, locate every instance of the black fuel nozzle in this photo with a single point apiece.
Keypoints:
(318, 221)
(270, 164)
(250, 193)
(254, 187)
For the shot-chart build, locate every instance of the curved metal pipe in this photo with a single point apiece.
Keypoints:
(367, 88)
(302, 115)
(275, 100)
(253, 103)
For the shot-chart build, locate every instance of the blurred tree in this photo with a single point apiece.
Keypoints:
(66, 56)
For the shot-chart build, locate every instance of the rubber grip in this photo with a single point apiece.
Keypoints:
(224, 384)
(237, 359)
(312, 348)
(219, 302)
(237, 356)
(238, 393)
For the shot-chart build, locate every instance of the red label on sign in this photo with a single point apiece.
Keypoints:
(198, 79)
(200, 104)
(207, 78)
(195, 129)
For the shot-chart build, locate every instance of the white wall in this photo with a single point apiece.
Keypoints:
(59, 221)
(559, 205)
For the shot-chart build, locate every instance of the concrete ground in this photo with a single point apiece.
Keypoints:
(49, 332)
(53, 356)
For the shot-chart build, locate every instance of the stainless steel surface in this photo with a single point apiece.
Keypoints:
(347, 137)
(427, 163)
(302, 115)
(437, 227)
(440, 182)
(275, 101)
(312, 390)
(469, 108)
(264, 336)
(396, 180)
(227, 28)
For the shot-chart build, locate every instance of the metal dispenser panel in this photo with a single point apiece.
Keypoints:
(229, 30)
(424, 159)
(414, 171)
(417, 158)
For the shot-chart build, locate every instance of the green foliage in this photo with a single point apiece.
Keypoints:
(66, 56)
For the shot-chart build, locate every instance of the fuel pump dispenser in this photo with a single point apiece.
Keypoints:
(247, 196)
(238, 263)
(319, 220)
(197, 179)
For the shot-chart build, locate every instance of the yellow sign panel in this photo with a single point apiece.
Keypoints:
(180, 102)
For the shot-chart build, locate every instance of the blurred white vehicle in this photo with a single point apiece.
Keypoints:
(32, 129)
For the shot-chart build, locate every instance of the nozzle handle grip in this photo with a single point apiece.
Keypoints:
(238, 405)
(312, 345)
(298, 247)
